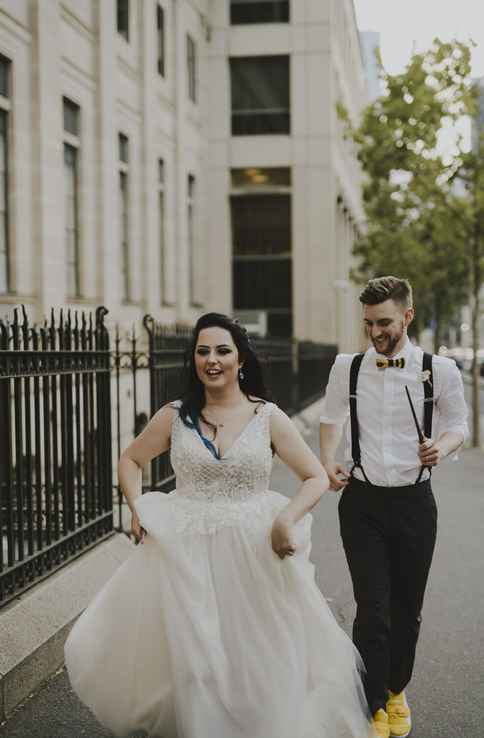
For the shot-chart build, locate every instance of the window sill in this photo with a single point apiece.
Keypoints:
(14, 297)
(80, 300)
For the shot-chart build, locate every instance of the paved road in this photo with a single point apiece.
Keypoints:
(447, 691)
(468, 396)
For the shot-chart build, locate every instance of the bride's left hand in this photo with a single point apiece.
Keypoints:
(282, 539)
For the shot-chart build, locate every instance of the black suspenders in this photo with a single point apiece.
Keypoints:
(355, 430)
(428, 404)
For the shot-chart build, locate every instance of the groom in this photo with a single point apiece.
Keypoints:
(387, 512)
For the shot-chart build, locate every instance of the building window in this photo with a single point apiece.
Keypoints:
(71, 219)
(192, 69)
(194, 266)
(259, 11)
(124, 216)
(160, 32)
(4, 76)
(72, 115)
(260, 95)
(5, 285)
(261, 238)
(162, 230)
(122, 12)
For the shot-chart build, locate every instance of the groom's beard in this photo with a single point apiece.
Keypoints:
(387, 347)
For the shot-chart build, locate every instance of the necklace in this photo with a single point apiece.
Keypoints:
(213, 422)
(217, 425)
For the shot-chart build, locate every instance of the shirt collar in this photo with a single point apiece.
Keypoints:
(406, 351)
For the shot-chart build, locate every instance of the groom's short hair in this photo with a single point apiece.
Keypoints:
(388, 288)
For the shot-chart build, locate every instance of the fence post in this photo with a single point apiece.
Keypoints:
(149, 325)
(296, 377)
(103, 399)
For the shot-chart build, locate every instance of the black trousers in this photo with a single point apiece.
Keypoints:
(389, 537)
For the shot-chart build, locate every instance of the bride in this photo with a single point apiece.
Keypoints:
(214, 626)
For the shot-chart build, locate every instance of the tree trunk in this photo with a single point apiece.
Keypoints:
(476, 315)
(438, 326)
(437, 342)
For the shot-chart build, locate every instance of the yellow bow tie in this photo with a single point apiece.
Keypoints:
(384, 363)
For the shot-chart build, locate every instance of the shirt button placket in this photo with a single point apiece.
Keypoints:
(387, 446)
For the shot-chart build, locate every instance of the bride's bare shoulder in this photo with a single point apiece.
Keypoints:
(163, 418)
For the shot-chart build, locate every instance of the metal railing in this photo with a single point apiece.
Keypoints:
(55, 445)
(148, 371)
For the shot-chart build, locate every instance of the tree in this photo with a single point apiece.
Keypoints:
(425, 211)
(471, 174)
(408, 191)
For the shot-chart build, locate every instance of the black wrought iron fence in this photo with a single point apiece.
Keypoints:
(314, 362)
(167, 348)
(63, 387)
(278, 360)
(55, 444)
(297, 371)
(147, 374)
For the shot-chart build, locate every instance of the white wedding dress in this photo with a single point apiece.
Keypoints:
(204, 632)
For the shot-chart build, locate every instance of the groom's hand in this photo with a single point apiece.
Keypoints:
(338, 478)
(430, 453)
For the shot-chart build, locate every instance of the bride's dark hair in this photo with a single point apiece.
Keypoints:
(252, 384)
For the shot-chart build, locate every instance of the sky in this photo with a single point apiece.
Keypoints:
(413, 24)
(403, 25)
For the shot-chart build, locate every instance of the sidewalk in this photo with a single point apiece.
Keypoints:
(449, 673)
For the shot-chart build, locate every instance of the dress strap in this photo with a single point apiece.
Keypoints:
(264, 408)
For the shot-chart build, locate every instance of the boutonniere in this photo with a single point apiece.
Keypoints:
(425, 376)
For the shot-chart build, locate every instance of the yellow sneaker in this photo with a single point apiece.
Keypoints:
(399, 717)
(381, 728)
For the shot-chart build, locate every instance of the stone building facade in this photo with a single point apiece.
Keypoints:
(177, 156)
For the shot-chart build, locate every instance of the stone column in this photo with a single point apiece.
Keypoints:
(48, 162)
(109, 274)
(149, 251)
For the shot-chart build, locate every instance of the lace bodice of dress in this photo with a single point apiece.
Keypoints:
(243, 470)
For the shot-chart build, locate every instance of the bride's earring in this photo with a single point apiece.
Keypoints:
(241, 374)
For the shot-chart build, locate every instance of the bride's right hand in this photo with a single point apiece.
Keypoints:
(282, 539)
(136, 528)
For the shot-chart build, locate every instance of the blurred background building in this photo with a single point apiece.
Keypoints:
(370, 44)
(177, 156)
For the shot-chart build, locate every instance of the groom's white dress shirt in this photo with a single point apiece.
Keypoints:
(388, 438)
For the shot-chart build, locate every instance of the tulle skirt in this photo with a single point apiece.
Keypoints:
(205, 633)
